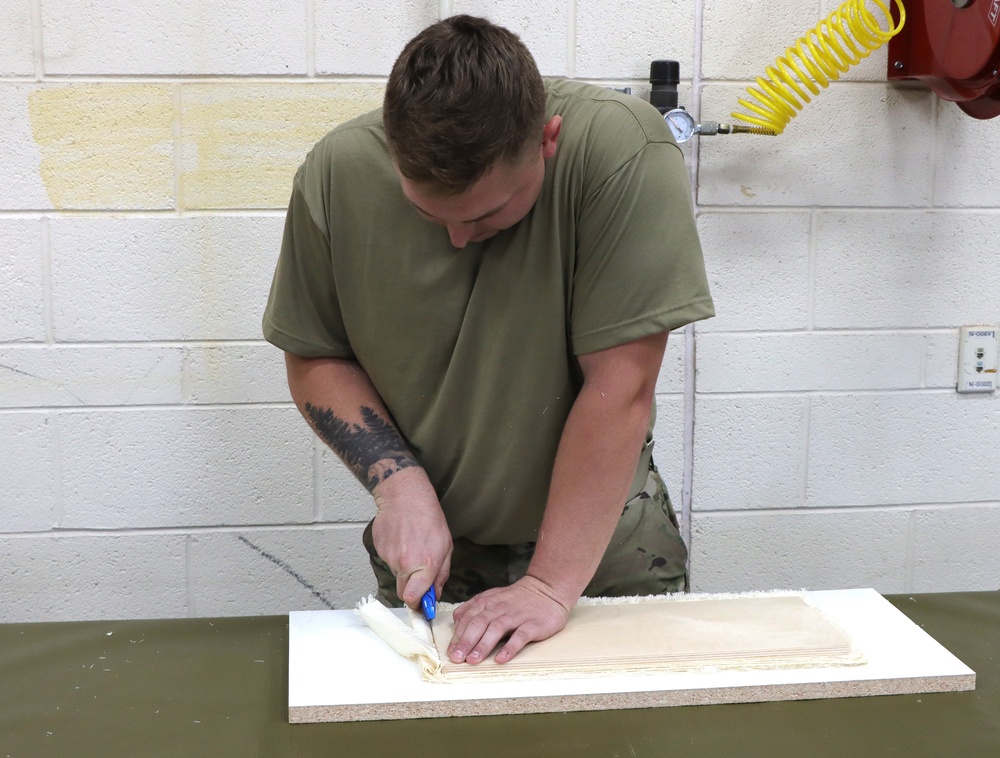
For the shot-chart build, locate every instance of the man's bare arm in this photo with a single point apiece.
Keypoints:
(373, 450)
(594, 467)
(341, 404)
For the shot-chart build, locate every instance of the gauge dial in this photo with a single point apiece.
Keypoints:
(681, 123)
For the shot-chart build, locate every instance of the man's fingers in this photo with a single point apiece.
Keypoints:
(415, 586)
(442, 576)
(401, 580)
(517, 641)
(495, 632)
(411, 585)
(474, 647)
(469, 630)
(520, 610)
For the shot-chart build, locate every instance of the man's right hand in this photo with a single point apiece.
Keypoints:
(411, 534)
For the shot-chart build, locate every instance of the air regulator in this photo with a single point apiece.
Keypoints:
(664, 76)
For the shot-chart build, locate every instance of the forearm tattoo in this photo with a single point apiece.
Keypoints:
(373, 452)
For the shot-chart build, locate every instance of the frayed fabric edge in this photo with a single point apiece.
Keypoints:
(405, 640)
(678, 597)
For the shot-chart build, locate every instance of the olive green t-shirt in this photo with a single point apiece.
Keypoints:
(473, 350)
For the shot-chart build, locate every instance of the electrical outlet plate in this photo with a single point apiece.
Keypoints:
(977, 358)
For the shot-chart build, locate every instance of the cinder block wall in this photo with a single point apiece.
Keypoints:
(153, 464)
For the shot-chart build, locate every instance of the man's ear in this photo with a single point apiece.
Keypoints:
(550, 133)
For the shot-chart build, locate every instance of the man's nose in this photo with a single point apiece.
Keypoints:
(461, 234)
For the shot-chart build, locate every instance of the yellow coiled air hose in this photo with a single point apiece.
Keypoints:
(842, 40)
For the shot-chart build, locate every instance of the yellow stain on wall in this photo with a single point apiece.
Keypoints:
(242, 142)
(105, 146)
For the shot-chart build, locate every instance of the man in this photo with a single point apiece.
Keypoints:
(473, 294)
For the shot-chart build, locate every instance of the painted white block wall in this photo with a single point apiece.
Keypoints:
(16, 39)
(367, 38)
(114, 37)
(19, 171)
(153, 462)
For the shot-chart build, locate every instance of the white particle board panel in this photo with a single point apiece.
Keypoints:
(339, 670)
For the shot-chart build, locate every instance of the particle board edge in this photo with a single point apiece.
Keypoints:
(631, 700)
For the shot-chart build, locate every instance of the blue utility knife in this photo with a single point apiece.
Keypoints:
(428, 604)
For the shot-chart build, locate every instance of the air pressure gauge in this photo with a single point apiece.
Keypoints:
(681, 123)
(663, 77)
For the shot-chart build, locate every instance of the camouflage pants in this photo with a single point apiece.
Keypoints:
(646, 556)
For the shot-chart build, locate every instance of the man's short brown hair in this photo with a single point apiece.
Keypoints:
(463, 96)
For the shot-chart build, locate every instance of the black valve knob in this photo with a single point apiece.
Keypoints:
(664, 76)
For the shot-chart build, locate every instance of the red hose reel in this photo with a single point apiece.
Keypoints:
(953, 46)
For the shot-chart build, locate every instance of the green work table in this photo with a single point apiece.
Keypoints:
(219, 687)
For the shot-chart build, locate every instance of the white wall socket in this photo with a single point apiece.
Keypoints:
(977, 358)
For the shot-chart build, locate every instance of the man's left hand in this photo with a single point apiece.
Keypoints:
(527, 610)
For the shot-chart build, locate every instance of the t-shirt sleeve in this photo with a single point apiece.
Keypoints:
(303, 314)
(639, 265)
